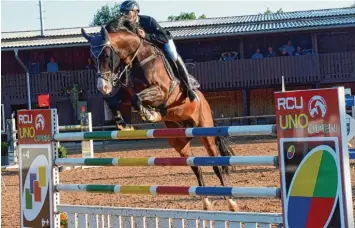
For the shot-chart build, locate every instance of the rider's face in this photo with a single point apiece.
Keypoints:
(131, 14)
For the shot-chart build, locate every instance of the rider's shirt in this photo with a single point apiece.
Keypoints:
(154, 33)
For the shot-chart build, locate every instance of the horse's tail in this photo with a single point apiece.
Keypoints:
(224, 150)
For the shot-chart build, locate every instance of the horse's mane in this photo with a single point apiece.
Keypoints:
(122, 23)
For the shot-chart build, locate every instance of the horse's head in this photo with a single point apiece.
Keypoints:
(106, 58)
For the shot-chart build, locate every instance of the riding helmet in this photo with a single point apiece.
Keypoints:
(129, 5)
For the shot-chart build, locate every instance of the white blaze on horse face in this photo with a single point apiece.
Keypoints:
(104, 86)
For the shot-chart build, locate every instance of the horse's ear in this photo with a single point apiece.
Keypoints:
(83, 32)
(104, 33)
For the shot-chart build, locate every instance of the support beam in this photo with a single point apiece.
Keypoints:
(241, 48)
(315, 42)
(246, 105)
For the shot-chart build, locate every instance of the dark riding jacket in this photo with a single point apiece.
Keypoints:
(154, 33)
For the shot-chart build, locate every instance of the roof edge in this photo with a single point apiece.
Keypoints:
(209, 18)
(239, 34)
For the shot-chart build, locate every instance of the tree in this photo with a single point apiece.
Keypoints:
(268, 11)
(185, 16)
(202, 16)
(280, 11)
(105, 14)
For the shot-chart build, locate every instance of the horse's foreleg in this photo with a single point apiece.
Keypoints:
(120, 123)
(151, 96)
(144, 113)
(114, 106)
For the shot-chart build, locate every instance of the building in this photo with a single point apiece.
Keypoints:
(240, 87)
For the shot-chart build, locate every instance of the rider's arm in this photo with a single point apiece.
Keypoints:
(159, 35)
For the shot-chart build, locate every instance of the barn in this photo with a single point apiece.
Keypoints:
(219, 52)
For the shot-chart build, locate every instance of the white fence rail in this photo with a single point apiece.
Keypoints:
(121, 217)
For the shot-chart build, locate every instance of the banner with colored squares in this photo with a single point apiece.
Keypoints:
(37, 182)
(35, 185)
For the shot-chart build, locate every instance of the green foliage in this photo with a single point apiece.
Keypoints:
(105, 14)
(74, 93)
(4, 146)
(268, 11)
(203, 16)
(63, 220)
(185, 16)
(62, 152)
(280, 11)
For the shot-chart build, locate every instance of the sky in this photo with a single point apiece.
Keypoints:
(24, 15)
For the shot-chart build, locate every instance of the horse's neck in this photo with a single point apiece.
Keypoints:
(127, 43)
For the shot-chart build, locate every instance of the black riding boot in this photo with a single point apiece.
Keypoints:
(184, 76)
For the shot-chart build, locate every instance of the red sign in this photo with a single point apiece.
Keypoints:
(43, 101)
(307, 114)
(34, 126)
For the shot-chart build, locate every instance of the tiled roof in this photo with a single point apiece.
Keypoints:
(42, 42)
(199, 28)
(47, 33)
(261, 18)
(263, 27)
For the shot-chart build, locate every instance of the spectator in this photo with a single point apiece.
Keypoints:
(284, 52)
(299, 51)
(90, 65)
(270, 52)
(290, 48)
(229, 56)
(257, 54)
(52, 66)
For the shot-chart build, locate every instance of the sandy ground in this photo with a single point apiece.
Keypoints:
(242, 176)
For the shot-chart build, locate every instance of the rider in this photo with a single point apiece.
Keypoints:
(157, 35)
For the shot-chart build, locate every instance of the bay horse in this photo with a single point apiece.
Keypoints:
(156, 93)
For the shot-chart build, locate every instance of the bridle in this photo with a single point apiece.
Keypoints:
(115, 77)
(114, 55)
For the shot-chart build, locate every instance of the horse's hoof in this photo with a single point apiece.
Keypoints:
(233, 206)
(125, 128)
(207, 206)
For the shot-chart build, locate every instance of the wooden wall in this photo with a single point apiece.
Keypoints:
(199, 50)
(74, 58)
(336, 41)
(225, 104)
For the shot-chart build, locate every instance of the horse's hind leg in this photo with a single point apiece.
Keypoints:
(204, 119)
(182, 146)
(210, 145)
